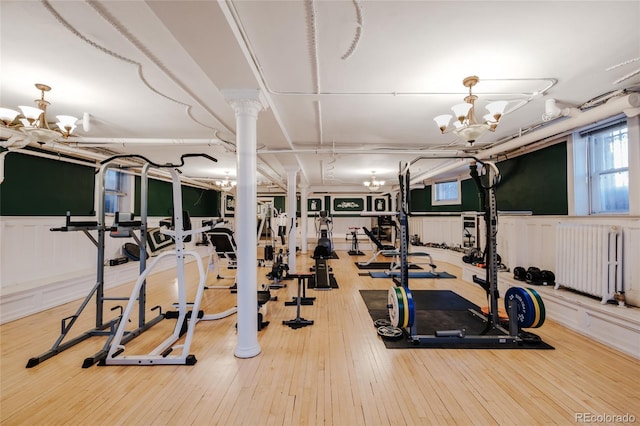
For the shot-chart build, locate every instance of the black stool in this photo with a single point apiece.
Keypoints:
(299, 322)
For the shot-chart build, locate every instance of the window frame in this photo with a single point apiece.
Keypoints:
(448, 201)
(124, 193)
(583, 170)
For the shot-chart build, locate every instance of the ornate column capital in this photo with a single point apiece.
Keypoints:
(245, 101)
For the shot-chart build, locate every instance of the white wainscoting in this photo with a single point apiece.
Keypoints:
(41, 269)
(530, 241)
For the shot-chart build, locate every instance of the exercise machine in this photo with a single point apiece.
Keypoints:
(355, 249)
(188, 313)
(322, 273)
(279, 271)
(324, 230)
(122, 227)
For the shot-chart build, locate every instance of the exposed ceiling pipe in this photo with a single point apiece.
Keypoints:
(628, 103)
(89, 141)
(90, 157)
(384, 151)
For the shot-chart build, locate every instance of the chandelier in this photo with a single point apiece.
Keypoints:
(227, 184)
(373, 184)
(466, 126)
(33, 121)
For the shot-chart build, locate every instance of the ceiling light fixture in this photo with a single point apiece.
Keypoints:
(33, 121)
(227, 184)
(373, 184)
(466, 125)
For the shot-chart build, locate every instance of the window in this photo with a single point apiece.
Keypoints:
(601, 165)
(609, 173)
(116, 185)
(446, 192)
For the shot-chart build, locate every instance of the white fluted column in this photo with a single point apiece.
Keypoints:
(246, 104)
(304, 212)
(291, 217)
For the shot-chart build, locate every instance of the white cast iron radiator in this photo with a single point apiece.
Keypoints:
(589, 259)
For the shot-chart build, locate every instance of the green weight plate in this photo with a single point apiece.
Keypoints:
(405, 307)
(540, 317)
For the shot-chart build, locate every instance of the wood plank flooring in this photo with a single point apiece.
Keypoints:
(336, 372)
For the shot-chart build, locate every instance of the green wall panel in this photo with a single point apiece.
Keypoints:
(35, 186)
(197, 201)
(534, 182)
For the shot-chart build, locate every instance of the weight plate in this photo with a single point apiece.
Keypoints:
(401, 307)
(382, 322)
(536, 308)
(540, 310)
(389, 332)
(396, 306)
(410, 307)
(405, 305)
(524, 303)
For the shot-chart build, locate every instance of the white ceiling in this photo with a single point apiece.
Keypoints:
(352, 86)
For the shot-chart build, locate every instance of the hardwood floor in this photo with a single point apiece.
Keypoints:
(335, 372)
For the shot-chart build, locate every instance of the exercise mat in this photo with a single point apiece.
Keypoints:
(333, 255)
(439, 310)
(425, 274)
(382, 265)
(311, 283)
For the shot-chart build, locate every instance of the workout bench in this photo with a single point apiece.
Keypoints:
(394, 253)
(224, 246)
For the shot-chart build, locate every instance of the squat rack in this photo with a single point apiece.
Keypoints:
(401, 306)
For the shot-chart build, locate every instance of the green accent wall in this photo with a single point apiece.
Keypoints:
(535, 182)
(279, 203)
(35, 186)
(421, 200)
(197, 201)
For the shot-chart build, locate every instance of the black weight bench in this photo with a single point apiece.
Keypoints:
(224, 246)
(391, 251)
(384, 249)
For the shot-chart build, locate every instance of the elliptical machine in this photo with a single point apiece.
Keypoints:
(323, 252)
(324, 231)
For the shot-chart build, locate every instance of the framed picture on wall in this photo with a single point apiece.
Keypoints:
(344, 205)
(379, 204)
(229, 204)
(314, 204)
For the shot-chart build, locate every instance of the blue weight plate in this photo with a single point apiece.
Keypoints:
(526, 312)
(410, 307)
